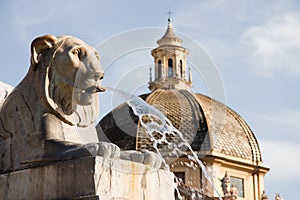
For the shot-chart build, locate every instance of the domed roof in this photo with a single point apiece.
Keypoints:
(169, 38)
(208, 125)
(230, 134)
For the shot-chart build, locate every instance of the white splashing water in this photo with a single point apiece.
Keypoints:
(155, 122)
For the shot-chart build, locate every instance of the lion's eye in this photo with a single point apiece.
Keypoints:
(76, 51)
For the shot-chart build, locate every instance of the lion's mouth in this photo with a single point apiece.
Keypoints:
(94, 89)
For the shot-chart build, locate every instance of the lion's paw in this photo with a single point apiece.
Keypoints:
(146, 157)
(104, 149)
(108, 150)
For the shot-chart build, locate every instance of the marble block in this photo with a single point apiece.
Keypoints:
(89, 178)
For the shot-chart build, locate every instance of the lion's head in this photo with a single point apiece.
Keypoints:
(69, 74)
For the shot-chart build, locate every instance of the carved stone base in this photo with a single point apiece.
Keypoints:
(89, 178)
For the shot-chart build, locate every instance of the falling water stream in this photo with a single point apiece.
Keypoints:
(154, 122)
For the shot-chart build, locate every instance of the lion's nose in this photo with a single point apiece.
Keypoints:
(101, 76)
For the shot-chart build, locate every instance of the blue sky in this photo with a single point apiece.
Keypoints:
(254, 46)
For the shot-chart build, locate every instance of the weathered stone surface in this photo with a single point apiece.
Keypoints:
(89, 178)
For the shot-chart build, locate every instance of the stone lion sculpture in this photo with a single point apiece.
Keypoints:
(50, 115)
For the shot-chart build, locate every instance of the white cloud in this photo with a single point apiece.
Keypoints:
(276, 45)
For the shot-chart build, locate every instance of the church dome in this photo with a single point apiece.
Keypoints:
(218, 137)
(210, 127)
(230, 134)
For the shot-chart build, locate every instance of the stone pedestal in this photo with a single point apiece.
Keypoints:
(89, 178)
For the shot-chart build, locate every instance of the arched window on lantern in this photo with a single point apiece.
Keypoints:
(170, 67)
(159, 68)
(180, 69)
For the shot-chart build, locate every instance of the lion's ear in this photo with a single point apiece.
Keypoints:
(40, 44)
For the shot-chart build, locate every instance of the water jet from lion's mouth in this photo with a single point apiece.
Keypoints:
(158, 127)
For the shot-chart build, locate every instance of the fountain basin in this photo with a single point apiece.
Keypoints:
(89, 178)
